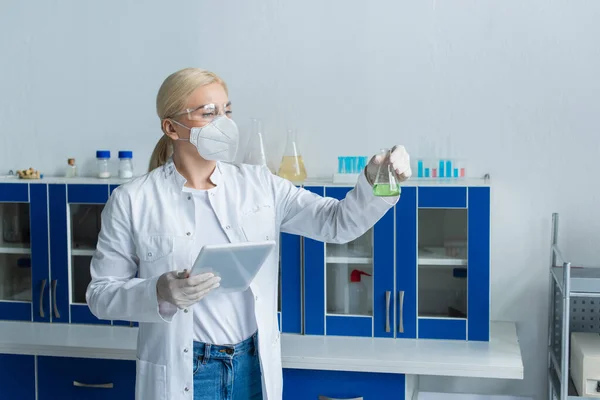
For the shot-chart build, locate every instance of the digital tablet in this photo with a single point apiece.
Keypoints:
(236, 263)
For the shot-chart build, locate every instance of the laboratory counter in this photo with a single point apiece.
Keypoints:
(498, 358)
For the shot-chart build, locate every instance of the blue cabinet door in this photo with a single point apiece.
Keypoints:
(17, 377)
(290, 317)
(303, 384)
(406, 264)
(74, 225)
(24, 264)
(90, 379)
(328, 287)
(452, 236)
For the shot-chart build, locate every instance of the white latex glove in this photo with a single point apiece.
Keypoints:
(183, 290)
(399, 159)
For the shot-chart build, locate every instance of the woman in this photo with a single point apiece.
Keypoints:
(192, 345)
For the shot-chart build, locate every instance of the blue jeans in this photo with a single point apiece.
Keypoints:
(229, 372)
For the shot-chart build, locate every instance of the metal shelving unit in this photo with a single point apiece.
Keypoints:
(574, 307)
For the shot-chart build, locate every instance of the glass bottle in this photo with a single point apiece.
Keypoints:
(386, 183)
(125, 164)
(71, 171)
(256, 149)
(292, 164)
(103, 157)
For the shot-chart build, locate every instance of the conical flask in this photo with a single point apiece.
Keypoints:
(386, 182)
(292, 165)
(256, 147)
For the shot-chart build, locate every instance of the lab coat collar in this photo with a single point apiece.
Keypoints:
(176, 181)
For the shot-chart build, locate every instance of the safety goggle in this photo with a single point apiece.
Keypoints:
(206, 112)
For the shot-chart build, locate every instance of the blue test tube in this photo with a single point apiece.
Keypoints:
(456, 172)
(448, 169)
(348, 164)
(420, 169)
(441, 169)
(341, 165)
(426, 172)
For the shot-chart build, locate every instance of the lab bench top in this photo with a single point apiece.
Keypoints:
(499, 358)
(311, 181)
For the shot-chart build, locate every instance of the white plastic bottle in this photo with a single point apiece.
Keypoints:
(358, 297)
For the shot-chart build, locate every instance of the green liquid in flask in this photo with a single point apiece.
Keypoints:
(385, 189)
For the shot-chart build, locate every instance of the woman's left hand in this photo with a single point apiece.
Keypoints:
(399, 159)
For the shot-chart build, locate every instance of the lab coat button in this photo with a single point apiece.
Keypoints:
(256, 298)
(185, 310)
(189, 197)
(228, 227)
(188, 233)
(149, 254)
(185, 350)
(187, 389)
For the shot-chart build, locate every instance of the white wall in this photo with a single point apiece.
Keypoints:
(513, 82)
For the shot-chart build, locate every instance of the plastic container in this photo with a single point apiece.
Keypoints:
(125, 164)
(358, 297)
(71, 171)
(386, 183)
(102, 167)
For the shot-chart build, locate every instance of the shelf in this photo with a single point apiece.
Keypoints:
(15, 248)
(337, 255)
(89, 252)
(437, 257)
(584, 281)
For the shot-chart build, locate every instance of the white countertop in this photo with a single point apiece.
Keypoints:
(499, 358)
(311, 181)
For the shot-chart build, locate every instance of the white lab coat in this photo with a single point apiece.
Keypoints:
(148, 228)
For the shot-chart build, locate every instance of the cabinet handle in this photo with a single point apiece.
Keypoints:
(331, 398)
(95, 386)
(42, 314)
(55, 306)
(388, 295)
(401, 312)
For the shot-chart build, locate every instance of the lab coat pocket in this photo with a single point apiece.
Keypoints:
(154, 248)
(151, 381)
(258, 224)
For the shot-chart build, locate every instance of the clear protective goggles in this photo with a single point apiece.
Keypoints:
(207, 112)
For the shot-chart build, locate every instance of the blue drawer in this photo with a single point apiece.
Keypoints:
(72, 378)
(305, 384)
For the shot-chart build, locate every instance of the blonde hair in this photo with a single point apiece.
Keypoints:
(171, 99)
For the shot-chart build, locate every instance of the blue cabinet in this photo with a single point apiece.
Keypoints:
(17, 377)
(303, 384)
(24, 265)
(80, 378)
(429, 259)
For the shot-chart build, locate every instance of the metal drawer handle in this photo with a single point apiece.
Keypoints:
(55, 306)
(42, 314)
(401, 312)
(331, 398)
(388, 295)
(95, 386)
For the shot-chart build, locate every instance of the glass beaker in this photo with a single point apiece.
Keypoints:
(256, 149)
(386, 183)
(292, 165)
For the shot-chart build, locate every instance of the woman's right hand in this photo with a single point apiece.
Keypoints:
(182, 292)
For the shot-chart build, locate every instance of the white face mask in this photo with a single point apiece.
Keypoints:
(218, 141)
